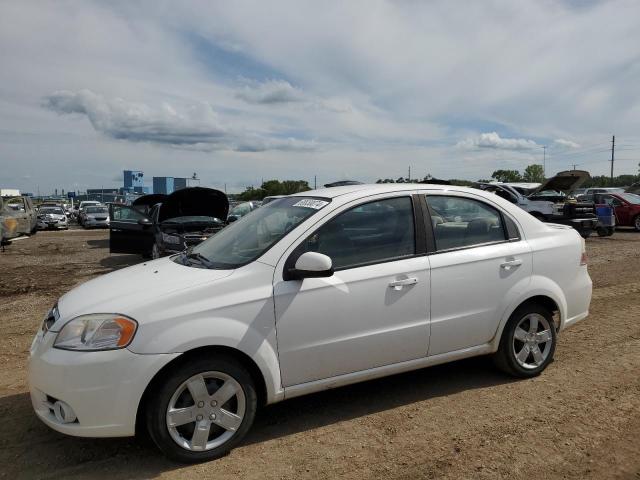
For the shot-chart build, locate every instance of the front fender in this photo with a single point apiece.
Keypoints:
(538, 286)
(260, 347)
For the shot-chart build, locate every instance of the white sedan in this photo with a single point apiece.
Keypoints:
(312, 291)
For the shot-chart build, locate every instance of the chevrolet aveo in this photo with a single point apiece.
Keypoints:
(312, 291)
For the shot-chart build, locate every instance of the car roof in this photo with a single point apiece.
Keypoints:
(374, 188)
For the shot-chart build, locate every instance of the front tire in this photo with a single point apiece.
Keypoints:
(528, 342)
(636, 223)
(202, 409)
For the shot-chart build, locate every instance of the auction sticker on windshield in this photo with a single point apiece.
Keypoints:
(311, 203)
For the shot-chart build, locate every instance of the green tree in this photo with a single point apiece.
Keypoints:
(534, 174)
(507, 176)
(274, 187)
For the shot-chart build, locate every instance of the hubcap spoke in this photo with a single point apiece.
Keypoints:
(200, 435)
(520, 334)
(225, 393)
(523, 354)
(181, 416)
(537, 355)
(198, 389)
(533, 324)
(543, 336)
(228, 420)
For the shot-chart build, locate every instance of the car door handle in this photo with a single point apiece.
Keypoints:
(508, 265)
(398, 284)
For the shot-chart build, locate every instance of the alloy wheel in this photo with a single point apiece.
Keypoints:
(205, 411)
(532, 341)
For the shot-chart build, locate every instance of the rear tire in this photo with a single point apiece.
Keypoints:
(187, 396)
(528, 342)
(603, 232)
(636, 223)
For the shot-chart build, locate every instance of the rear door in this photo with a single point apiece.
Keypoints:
(126, 234)
(479, 262)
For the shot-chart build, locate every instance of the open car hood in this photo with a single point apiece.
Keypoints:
(635, 188)
(194, 201)
(565, 182)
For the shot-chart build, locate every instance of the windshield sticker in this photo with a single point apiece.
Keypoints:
(311, 203)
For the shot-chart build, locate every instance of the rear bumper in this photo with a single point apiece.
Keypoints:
(578, 296)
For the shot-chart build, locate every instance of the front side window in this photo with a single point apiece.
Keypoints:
(460, 222)
(248, 238)
(370, 233)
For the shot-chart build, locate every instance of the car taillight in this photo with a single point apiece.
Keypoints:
(583, 258)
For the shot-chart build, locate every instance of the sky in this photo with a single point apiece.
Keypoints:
(248, 90)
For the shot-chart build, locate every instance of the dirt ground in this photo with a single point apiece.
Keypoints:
(580, 419)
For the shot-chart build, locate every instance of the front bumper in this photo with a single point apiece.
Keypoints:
(42, 225)
(103, 388)
(96, 223)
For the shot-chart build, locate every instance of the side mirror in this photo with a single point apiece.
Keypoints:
(231, 218)
(312, 265)
(145, 222)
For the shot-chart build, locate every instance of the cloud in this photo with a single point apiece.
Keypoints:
(494, 141)
(270, 93)
(566, 143)
(197, 127)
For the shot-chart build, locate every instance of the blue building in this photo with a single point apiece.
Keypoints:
(133, 179)
(179, 183)
(163, 185)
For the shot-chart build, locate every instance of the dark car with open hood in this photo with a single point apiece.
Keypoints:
(157, 225)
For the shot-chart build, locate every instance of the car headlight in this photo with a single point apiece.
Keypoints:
(100, 331)
(171, 239)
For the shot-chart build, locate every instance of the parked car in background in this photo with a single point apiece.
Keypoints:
(81, 209)
(539, 209)
(242, 209)
(588, 193)
(315, 291)
(52, 218)
(95, 216)
(173, 223)
(18, 217)
(626, 207)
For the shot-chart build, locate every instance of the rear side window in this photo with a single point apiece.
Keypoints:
(463, 222)
(370, 233)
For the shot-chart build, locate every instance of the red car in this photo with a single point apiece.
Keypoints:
(626, 207)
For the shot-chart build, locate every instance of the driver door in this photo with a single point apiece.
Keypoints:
(373, 311)
(126, 233)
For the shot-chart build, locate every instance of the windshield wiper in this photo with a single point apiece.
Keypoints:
(197, 256)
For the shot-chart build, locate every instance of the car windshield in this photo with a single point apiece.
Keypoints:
(249, 237)
(56, 210)
(96, 210)
(631, 198)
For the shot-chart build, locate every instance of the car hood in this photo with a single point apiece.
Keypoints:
(125, 290)
(57, 216)
(94, 215)
(194, 201)
(565, 182)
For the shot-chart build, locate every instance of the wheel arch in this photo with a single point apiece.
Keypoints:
(210, 350)
(548, 294)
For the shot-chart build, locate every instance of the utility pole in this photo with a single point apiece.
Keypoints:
(613, 149)
(544, 161)
(575, 165)
(315, 182)
(409, 173)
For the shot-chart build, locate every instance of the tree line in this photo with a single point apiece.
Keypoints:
(532, 174)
